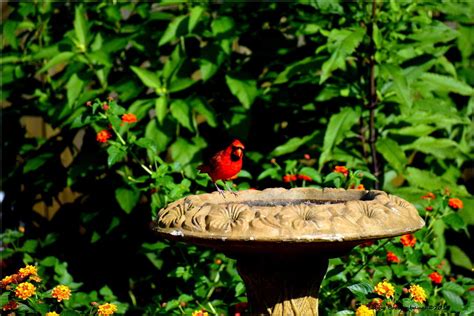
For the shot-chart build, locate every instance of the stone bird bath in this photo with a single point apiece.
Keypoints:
(282, 239)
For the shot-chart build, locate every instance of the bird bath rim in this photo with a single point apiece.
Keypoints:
(299, 218)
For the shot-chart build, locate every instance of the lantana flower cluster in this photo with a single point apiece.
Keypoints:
(25, 287)
(113, 115)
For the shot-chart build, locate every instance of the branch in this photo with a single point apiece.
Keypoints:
(372, 105)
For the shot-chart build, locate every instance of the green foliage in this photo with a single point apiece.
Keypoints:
(291, 80)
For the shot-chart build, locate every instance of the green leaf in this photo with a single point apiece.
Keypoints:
(341, 43)
(161, 108)
(178, 84)
(146, 143)
(459, 258)
(338, 126)
(150, 79)
(57, 59)
(194, 17)
(222, 26)
(33, 164)
(361, 289)
(81, 27)
(116, 154)
(312, 173)
(205, 110)
(423, 179)
(181, 112)
(453, 287)
(74, 88)
(393, 153)
(239, 289)
(308, 64)
(183, 151)
(245, 90)
(127, 198)
(211, 59)
(448, 84)
(292, 145)
(400, 84)
(177, 27)
(454, 221)
(158, 135)
(453, 300)
(439, 147)
(4, 298)
(272, 173)
(416, 130)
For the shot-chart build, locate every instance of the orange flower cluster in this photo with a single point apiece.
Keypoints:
(25, 290)
(360, 187)
(129, 118)
(10, 306)
(376, 304)
(200, 313)
(27, 271)
(341, 169)
(52, 314)
(384, 289)
(408, 240)
(363, 310)
(107, 309)
(293, 177)
(429, 196)
(289, 178)
(61, 292)
(436, 277)
(304, 178)
(391, 257)
(103, 136)
(455, 203)
(429, 208)
(417, 293)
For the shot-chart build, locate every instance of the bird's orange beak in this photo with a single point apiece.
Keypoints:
(238, 152)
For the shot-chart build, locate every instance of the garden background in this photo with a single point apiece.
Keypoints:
(384, 89)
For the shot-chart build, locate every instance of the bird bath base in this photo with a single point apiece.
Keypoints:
(282, 239)
(282, 286)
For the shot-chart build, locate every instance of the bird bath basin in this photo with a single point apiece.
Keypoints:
(283, 239)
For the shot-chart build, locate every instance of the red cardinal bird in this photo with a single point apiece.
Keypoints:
(225, 164)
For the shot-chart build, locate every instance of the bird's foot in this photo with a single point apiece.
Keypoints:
(230, 190)
(221, 192)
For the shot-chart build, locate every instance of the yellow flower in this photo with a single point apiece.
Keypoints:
(384, 289)
(417, 293)
(27, 271)
(61, 292)
(364, 311)
(200, 313)
(107, 309)
(25, 290)
(7, 280)
(52, 314)
(35, 278)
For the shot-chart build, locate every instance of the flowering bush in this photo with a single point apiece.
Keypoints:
(323, 93)
(19, 294)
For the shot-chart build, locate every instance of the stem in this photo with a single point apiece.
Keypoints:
(118, 135)
(131, 152)
(373, 99)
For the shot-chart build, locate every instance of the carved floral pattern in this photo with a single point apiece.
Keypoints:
(174, 216)
(228, 218)
(352, 214)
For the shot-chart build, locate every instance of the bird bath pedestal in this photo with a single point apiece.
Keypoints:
(282, 239)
